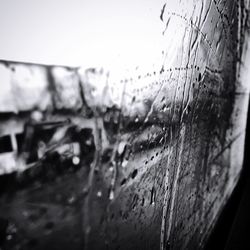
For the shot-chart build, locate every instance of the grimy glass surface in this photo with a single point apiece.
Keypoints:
(139, 148)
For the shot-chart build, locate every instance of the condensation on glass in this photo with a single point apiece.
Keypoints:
(93, 160)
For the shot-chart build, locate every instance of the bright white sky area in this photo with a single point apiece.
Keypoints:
(94, 33)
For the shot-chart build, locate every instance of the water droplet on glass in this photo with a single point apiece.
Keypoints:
(99, 194)
(124, 163)
(121, 147)
(9, 237)
(76, 160)
(71, 199)
(111, 195)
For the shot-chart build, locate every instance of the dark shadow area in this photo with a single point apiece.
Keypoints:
(232, 228)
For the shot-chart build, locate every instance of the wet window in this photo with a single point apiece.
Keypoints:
(138, 142)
